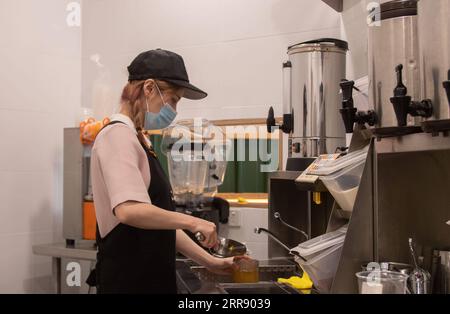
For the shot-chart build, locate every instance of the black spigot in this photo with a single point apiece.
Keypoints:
(349, 113)
(347, 92)
(447, 87)
(286, 127)
(403, 104)
(400, 89)
(271, 120)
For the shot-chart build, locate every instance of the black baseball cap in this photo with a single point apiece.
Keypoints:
(164, 65)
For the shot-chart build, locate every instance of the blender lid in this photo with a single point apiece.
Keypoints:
(190, 136)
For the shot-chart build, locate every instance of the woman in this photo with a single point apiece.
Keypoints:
(139, 231)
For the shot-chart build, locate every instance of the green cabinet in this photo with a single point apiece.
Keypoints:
(242, 176)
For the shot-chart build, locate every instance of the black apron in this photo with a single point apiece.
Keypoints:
(132, 260)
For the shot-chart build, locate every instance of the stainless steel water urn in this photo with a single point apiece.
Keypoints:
(311, 97)
(434, 39)
(393, 40)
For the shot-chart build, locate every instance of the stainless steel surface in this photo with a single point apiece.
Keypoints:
(313, 147)
(256, 288)
(403, 194)
(225, 247)
(83, 253)
(393, 42)
(292, 204)
(273, 237)
(316, 72)
(228, 248)
(434, 40)
(75, 184)
(442, 283)
(419, 280)
(359, 245)
(420, 142)
(195, 279)
(192, 278)
(277, 240)
(278, 217)
(83, 250)
(418, 197)
(200, 237)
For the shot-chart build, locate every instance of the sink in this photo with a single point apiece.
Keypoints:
(197, 279)
(268, 271)
(256, 288)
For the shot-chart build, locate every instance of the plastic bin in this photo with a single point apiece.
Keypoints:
(322, 268)
(314, 247)
(344, 185)
(326, 165)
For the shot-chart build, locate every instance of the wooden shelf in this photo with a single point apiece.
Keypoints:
(253, 200)
(338, 5)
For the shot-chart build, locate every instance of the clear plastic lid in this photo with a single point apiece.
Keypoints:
(320, 243)
(326, 167)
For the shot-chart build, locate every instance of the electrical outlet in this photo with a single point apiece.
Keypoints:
(235, 218)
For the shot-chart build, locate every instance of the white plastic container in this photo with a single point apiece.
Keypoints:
(314, 247)
(344, 185)
(322, 268)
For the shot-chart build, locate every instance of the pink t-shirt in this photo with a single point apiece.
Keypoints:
(119, 171)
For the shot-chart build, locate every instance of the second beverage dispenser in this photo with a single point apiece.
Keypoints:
(311, 103)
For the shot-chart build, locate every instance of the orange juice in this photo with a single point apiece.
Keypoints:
(246, 276)
(247, 271)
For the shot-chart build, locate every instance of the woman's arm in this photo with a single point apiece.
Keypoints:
(148, 216)
(190, 249)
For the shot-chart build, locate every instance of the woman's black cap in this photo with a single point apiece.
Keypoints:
(164, 65)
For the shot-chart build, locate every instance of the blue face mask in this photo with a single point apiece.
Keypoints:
(162, 119)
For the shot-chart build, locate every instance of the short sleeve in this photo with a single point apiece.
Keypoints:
(118, 152)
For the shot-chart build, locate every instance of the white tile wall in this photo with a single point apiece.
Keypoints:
(251, 218)
(40, 57)
(21, 270)
(233, 49)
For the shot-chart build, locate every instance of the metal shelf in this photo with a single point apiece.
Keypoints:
(413, 143)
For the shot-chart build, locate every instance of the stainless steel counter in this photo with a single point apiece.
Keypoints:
(81, 251)
(194, 279)
(191, 278)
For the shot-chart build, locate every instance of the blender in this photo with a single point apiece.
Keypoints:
(196, 152)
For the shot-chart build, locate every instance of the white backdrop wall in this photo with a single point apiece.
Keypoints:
(40, 84)
(233, 49)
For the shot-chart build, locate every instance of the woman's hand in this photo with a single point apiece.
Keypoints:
(208, 230)
(224, 266)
